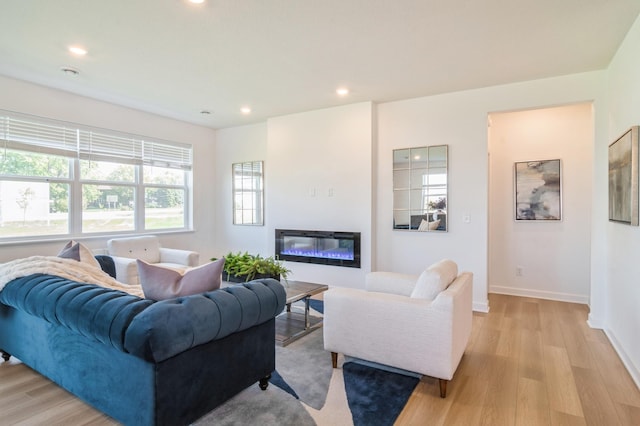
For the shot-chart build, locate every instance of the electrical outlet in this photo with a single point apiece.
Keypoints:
(518, 271)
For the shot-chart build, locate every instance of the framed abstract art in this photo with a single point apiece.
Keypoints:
(623, 178)
(538, 190)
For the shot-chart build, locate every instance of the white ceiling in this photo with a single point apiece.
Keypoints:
(175, 59)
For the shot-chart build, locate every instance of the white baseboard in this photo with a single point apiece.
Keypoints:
(481, 307)
(539, 294)
(595, 322)
(633, 371)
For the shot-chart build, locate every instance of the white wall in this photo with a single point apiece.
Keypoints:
(552, 255)
(621, 290)
(37, 100)
(459, 120)
(319, 177)
(236, 145)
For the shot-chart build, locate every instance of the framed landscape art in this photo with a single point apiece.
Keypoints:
(623, 178)
(538, 191)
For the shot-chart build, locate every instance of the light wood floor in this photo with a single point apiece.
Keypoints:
(529, 362)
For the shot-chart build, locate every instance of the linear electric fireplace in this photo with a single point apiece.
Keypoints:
(321, 247)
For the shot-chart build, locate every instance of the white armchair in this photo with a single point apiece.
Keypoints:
(125, 251)
(416, 323)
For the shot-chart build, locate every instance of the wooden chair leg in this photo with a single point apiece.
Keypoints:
(443, 388)
(334, 359)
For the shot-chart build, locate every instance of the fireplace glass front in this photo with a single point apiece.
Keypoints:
(320, 247)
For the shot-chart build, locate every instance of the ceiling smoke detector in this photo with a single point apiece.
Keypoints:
(70, 70)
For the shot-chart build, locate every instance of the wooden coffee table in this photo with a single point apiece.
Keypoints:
(290, 326)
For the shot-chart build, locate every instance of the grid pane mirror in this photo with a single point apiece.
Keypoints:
(248, 193)
(420, 188)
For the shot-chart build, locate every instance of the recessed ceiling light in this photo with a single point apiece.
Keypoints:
(245, 110)
(69, 70)
(342, 91)
(77, 50)
(196, 1)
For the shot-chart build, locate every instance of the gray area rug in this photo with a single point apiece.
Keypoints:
(305, 366)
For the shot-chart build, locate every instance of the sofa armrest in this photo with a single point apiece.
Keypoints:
(458, 298)
(390, 282)
(126, 270)
(181, 257)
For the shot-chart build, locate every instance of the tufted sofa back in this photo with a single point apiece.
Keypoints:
(169, 327)
(153, 331)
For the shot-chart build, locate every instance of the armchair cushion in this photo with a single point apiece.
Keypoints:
(435, 279)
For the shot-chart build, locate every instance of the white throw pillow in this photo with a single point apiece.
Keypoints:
(427, 286)
(435, 279)
(428, 226)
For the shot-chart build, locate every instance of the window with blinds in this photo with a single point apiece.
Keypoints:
(60, 178)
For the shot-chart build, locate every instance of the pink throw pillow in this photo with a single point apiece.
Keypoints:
(159, 283)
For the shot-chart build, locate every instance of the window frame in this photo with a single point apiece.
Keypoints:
(162, 154)
(256, 192)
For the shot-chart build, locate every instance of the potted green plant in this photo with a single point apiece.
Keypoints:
(242, 267)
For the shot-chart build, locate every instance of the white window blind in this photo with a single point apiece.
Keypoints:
(24, 132)
(43, 136)
(167, 155)
(101, 146)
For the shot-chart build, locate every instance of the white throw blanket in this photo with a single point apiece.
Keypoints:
(65, 268)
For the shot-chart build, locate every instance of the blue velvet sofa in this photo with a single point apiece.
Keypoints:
(139, 361)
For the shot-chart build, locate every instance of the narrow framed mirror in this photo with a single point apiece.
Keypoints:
(248, 193)
(420, 196)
